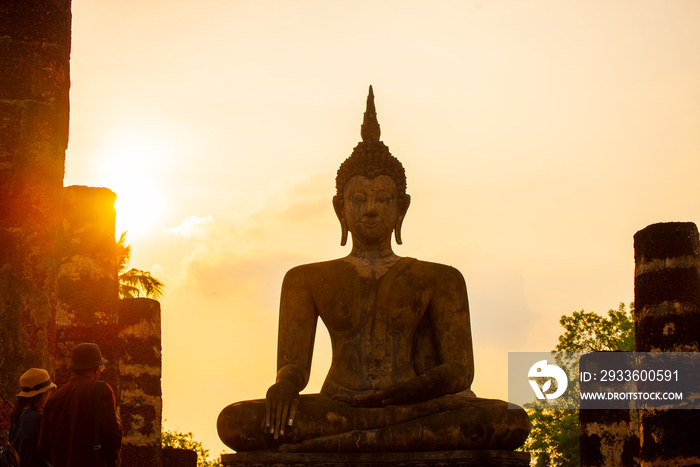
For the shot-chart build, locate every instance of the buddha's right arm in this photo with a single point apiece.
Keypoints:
(449, 316)
(294, 374)
(297, 330)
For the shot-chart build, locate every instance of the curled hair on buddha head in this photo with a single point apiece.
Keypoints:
(370, 158)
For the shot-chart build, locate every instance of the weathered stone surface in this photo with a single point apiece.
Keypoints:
(87, 282)
(667, 319)
(140, 398)
(609, 437)
(174, 457)
(34, 86)
(400, 459)
(670, 437)
(37, 20)
(664, 241)
(402, 363)
(47, 68)
(137, 456)
(6, 409)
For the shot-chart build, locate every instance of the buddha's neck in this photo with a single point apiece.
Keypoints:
(372, 253)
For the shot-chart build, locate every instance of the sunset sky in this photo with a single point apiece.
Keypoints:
(537, 137)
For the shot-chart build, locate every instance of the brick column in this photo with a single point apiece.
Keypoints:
(87, 283)
(140, 401)
(667, 319)
(175, 457)
(34, 84)
(609, 436)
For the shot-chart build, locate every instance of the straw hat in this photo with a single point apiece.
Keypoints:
(86, 356)
(34, 381)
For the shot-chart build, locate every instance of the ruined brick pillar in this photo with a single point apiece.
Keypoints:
(609, 436)
(87, 284)
(175, 457)
(34, 84)
(140, 400)
(667, 319)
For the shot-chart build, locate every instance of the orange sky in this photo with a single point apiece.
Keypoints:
(537, 137)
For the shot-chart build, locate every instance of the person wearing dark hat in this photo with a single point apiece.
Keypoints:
(36, 387)
(80, 426)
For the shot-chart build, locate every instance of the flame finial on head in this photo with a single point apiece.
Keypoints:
(370, 126)
(371, 157)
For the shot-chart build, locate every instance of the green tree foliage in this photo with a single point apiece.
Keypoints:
(176, 439)
(135, 282)
(554, 437)
(591, 332)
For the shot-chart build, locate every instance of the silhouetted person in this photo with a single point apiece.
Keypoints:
(68, 431)
(36, 387)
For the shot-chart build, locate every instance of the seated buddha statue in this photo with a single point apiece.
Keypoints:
(402, 362)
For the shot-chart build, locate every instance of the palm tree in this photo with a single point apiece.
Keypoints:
(135, 282)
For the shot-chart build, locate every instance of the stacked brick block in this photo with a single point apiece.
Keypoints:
(140, 396)
(34, 86)
(667, 319)
(87, 282)
(609, 437)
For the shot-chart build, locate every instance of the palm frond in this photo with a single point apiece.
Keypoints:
(123, 253)
(135, 283)
(142, 283)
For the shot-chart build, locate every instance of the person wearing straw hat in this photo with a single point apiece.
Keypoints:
(36, 387)
(80, 426)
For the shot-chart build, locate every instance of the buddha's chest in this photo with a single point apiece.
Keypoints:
(367, 306)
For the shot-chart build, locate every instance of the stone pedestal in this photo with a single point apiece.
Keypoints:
(402, 459)
(175, 457)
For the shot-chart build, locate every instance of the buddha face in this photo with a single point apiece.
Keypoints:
(371, 208)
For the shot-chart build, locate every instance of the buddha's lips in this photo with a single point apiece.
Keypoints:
(370, 224)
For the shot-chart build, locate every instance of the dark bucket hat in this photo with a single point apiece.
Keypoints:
(86, 356)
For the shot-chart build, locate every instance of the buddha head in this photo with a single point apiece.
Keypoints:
(371, 172)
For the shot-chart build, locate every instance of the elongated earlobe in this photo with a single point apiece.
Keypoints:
(338, 207)
(397, 230)
(343, 234)
(399, 221)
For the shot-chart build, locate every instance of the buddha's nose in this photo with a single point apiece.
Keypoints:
(371, 207)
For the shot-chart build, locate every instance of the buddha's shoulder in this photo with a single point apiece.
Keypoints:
(315, 270)
(339, 267)
(436, 270)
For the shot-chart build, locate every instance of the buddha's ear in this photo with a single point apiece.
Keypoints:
(405, 202)
(340, 212)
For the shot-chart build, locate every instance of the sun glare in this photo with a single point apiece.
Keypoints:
(132, 168)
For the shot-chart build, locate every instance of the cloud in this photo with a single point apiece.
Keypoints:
(192, 227)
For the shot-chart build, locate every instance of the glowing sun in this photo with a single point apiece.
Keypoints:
(132, 167)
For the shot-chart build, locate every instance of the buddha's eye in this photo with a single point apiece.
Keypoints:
(358, 197)
(383, 197)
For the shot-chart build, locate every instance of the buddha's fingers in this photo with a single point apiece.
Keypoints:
(283, 419)
(368, 400)
(268, 417)
(343, 398)
(293, 411)
(279, 407)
